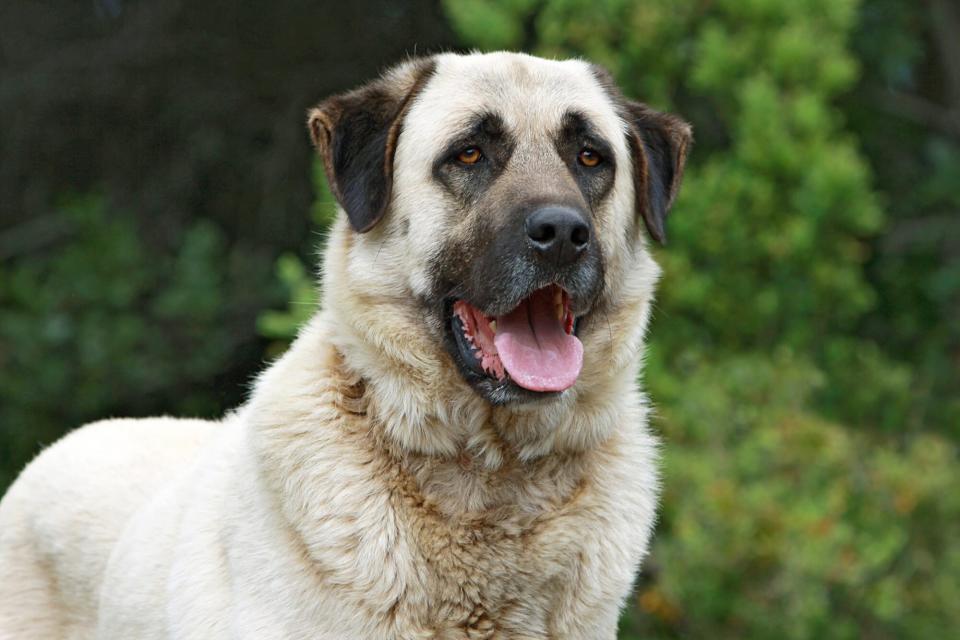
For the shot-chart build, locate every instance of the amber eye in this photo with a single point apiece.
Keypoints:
(470, 155)
(589, 158)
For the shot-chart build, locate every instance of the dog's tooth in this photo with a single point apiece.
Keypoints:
(558, 303)
(493, 326)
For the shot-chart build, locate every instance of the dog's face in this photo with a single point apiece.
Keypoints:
(503, 196)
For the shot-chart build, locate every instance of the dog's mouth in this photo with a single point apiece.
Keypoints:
(534, 346)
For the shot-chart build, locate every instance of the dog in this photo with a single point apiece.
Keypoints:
(455, 446)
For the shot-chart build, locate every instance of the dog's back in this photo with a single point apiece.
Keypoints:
(61, 518)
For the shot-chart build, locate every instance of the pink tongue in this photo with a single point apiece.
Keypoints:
(534, 348)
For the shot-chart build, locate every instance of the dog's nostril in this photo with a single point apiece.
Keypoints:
(558, 234)
(580, 235)
(543, 232)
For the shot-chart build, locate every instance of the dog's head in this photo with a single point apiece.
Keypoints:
(496, 206)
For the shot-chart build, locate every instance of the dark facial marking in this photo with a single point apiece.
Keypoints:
(576, 134)
(468, 182)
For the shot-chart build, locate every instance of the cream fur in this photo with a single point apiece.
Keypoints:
(364, 490)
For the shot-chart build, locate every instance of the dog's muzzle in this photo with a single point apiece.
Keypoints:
(512, 324)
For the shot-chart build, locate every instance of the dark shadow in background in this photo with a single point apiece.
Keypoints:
(180, 109)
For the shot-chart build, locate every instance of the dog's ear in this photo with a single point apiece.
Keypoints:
(659, 143)
(356, 135)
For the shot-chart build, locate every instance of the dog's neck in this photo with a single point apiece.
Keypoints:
(463, 457)
(398, 396)
(422, 405)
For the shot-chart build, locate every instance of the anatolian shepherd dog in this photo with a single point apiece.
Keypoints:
(454, 447)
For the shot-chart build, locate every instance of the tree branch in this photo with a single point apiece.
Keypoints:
(920, 110)
(945, 23)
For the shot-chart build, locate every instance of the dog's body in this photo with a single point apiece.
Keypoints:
(387, 478)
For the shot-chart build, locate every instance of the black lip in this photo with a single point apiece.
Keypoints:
(466, 350)
(497, 392)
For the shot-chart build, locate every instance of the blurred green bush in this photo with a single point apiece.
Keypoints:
(302, 287)
(106, 324)
(778, 523)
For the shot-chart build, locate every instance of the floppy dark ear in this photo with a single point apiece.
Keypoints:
(659, 142)
(356, 135)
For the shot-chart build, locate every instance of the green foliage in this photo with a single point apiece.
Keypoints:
(303, 295)
(101, 326)
(916, 263)
(303, 290)
(324, 209)
(491, 26)
(777, 523)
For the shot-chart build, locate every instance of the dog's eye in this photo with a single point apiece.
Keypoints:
(470, 155)
(589, 158)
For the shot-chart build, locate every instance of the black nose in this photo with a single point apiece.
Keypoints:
(558, 234)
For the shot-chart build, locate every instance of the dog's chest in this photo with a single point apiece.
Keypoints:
(493, 573)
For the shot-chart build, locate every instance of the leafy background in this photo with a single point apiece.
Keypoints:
(160, 217)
